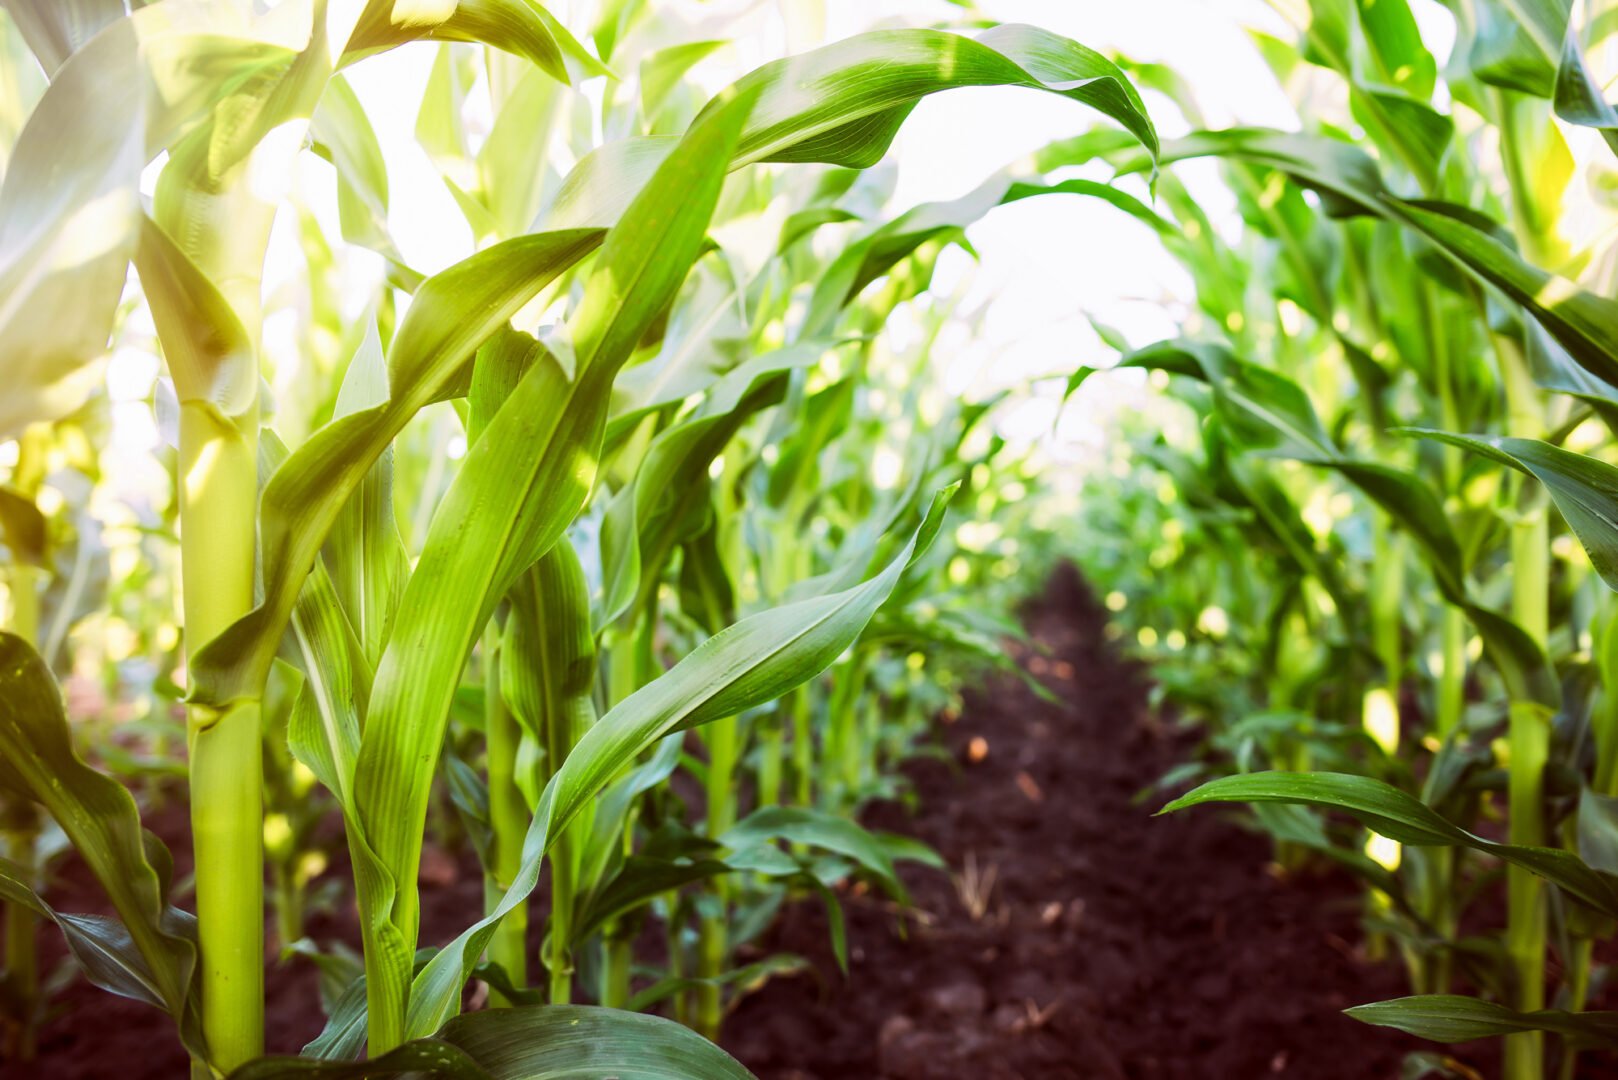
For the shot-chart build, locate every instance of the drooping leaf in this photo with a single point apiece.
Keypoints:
(1453, 1018)
(1402, 817)
(1584, 323)
(99, 816)
(544, 1042)
(1517, 44)
(842, 104)
(521, 484)
(101, 945)
(817, 828)
(1585, 489)
(1579, 98)
(308, 492)
(521, 27)
(754, 661)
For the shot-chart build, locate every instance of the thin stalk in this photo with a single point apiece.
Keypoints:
(1452, 680)
(19, 828)
(618, 946)
(1604, 728)
(675, 935)
(1535, 214)
(1451, 697)
(803, 747)
(19, 822)
(771, 759)
(218, 504)
(508, 820)
(845, 727)
(620, 954)
(626, 651)
(288, 905)
(1529, 733)
(723, 738)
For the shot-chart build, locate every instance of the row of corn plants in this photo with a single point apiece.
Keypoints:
(1380, 534)
(639, 490)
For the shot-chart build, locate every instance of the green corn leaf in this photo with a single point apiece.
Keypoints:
(520, 27)
(427, 362)
(323, 731)
(1579, 98)
(1584, 323)
(1263, 409)
(60, 296)
(343, 1037)
(1268, 411)
(1402, 817)
(208, 352)
(643, 877)
(1597, 830)
(543, 1042)
(752, 662)
(1517, 44)
(343, 135)
(521, 484)
(102, 946)
(747, 975)
(860, 90)
(1452, 1018)
(1585, 489)
(638, 881)
(366, 553)
(843, 104)
(421, 1057)
(143, 84)
(612, 807)
(548, 637)
(817, 828)
(876, 253)
(1414, 507)
(514, 173)
(662, 71)
(641, 528)
(37, 761)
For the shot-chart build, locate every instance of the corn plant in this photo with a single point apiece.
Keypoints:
(289, 541)
(1425, 285)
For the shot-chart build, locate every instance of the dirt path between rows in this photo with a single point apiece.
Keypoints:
(1113, 944)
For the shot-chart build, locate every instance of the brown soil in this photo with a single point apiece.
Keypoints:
(1114, 944)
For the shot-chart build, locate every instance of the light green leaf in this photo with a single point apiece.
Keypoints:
(521, 27)
(1404, 818)
(208, 352)
(1453, 1018)
(521, 483)
(1579, 98)
(1584, 323)
(542, 1042)
(817, 828)
(754, 661)
(37, 760)
(102, 946)
(843, 104)
(1585, 489)
(1517, 44)
(427, 362)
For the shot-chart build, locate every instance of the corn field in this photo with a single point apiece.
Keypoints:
(502, 574)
